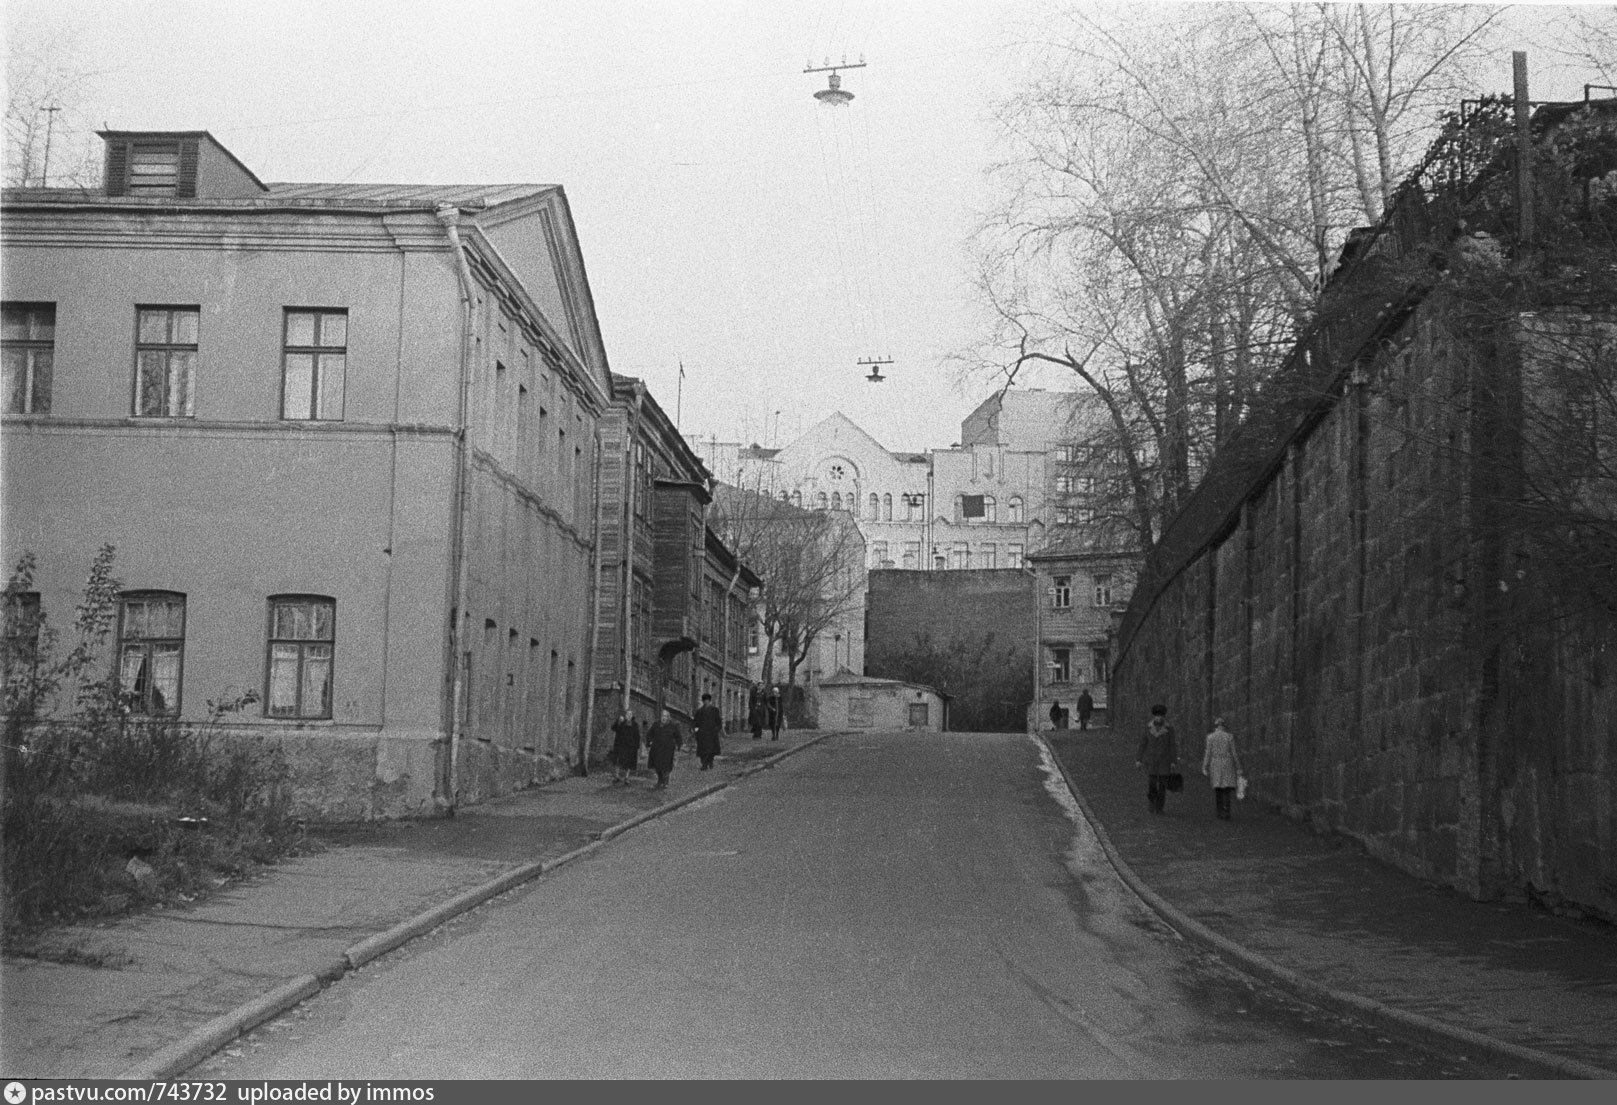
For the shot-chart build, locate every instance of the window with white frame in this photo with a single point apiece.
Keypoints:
(1060, 664)
(912, 555)
(878, 554)
(1061, 592)
(990, 555)
(314, 363)
(1103, 590)
(166, 361)
(1102, 661)
(960, 555)
(1013, 556)
(28, 349)
(302, 635)
(887, 508)
(151, 651)
(1013, 509)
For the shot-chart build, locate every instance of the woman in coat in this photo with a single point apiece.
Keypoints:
(661, 743)
(1222, 766)
(625, 747)
(1159, 756)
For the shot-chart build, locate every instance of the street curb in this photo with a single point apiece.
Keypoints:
(215, 1034)
(209, 1037)
(1427, 1029)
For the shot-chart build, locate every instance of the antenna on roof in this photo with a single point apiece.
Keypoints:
(875, 364)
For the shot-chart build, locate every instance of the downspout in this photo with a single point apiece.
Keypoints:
(449, 216)
(631, 478)
(595, 621)
(724, 653)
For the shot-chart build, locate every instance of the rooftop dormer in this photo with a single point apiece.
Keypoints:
(187, 164)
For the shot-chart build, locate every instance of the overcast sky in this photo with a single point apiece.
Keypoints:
(728, 220)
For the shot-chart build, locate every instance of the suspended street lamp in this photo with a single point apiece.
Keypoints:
(834, 95)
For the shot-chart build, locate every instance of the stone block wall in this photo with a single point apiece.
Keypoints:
(1351, 623)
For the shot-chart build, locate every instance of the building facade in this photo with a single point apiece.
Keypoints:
(1080, 594)
(674, 604)
(343, 438)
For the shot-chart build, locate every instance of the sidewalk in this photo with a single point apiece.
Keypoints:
(173, 985)
(1268, 893)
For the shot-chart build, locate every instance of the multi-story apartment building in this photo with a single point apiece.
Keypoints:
(674, 604)
(1080, 593)
(344, 440)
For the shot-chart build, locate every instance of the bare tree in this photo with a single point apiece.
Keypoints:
(810, 561)
(49, 138)
(1178, 186)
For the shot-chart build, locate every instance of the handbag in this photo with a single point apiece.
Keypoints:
(1240, 787)
(1174, 781)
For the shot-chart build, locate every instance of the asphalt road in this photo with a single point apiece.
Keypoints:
(882, 906)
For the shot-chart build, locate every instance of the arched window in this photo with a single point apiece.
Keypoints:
(990, 510)
(875, 507)
(797, 499)
(785, 498)
(820, 500)
(887, 508)
(836, 500)
(1015, 509)
(151, 650)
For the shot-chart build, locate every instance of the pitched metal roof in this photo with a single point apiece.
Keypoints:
(410, 195)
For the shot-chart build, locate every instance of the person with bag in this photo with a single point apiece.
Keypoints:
(661, 744)
(1221, 763)
(625, 747)
(1159, 756)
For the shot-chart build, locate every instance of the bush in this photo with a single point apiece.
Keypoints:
(104, 810)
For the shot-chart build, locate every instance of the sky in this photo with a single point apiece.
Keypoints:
(729, 222)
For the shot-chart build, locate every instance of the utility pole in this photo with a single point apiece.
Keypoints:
(1524, 148)
(50, 125)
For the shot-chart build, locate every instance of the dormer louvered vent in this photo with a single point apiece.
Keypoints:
(152, 168)
(175, 164)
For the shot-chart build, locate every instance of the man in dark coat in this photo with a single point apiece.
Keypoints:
(758, 716)
(625, 746)
(709, 728)
(1086, 706)
(1058, 716)
(1159, 756)
(661, 744)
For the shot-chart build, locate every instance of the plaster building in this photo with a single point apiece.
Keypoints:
(983, 503)
(674, 603)
(1080, 594)
(849, 701)
(344, 439)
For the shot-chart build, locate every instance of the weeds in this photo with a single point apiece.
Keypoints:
(105, 809)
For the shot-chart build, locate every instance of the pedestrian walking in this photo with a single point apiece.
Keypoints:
(661, 744)
(758, 717)
(1086, 707)
(1159, 756)
(709, 726)
(1221, 763)
(1058, 716)
(625, 747)
(776, 708)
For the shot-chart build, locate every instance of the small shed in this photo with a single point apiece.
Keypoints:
(849, 701)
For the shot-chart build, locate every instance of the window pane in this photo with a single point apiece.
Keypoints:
(185, 327)
(14, 326)
(180, 399)
(132, 669)
(334, 329)
(300, 327)
(316, 680)
(134, 620)
(166, 679)
(172, 622)
(43, 362)
(332, 366)
(15, 386)
(153, 327)
(322, 621)
(150, 380)
(283, 680)
(43, 324)
(299, 387)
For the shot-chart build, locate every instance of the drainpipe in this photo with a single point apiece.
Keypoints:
(595, 619)
(449, 216)
(724, 646)
(631, 479)
(1038, 648)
